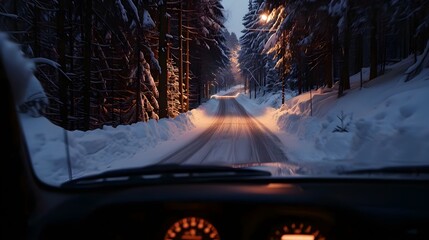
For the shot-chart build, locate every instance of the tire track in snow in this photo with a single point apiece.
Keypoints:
(234, 137)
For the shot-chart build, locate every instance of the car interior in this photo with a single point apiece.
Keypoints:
(204, 203)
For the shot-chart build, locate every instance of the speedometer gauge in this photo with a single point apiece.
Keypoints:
(296, 231)
(192, 228)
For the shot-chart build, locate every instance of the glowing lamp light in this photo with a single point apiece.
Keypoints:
(264, 17)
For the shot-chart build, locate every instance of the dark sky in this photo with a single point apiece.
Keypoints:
(234, 11)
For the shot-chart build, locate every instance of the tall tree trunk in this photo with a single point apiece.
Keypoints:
(187, 69)
(250, 89)
(382, 47)
(283, 89)
(182, 108)
(162, 58)
(70, 14)
(373, 72)
(15, 23)
(138, 90)
(87, 54)
(413, 38)
(188, 56)
(254, 87)
(262, 76)
(359, 56)
(283, 67)
(345, 76)
(245, 85)
(61, 46)
(36, 30)
(328, 63)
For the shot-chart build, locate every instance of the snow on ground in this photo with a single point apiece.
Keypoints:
(387, 122)
(109, 148)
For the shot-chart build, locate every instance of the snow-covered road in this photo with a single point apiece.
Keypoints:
(234, 137)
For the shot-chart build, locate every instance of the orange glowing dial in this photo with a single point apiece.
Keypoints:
(297, 231)
(192, 228)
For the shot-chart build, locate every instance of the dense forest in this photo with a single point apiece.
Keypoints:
(303, 44)
(115, 62)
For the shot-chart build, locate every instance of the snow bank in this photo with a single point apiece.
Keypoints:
(422, 62)
(388, 122)
(108, 148)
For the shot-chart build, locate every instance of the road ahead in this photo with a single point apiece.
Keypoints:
(234, 137)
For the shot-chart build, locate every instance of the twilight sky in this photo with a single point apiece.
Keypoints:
(234, 12)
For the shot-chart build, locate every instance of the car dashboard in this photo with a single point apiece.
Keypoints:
(283, 209)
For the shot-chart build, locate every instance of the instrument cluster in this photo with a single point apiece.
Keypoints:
(197, 228)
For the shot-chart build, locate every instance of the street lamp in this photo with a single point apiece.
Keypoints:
(264, 17)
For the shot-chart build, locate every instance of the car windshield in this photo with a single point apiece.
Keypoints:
(218, 87)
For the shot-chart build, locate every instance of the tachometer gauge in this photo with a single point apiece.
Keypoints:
(296, 231)
(192, 228)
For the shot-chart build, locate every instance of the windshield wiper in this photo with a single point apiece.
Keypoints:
(165, 173)
(399, 170)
